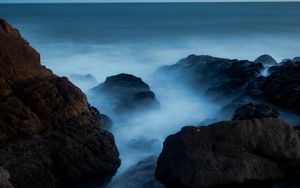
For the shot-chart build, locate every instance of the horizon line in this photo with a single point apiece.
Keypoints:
(130, 2)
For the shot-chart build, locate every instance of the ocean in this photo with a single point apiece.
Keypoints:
(105, 39)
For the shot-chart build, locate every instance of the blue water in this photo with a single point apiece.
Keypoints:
(137, 38)
(146, 35)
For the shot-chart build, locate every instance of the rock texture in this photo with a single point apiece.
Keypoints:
(128, 93)
(217, 76)
(266, 60)
(281, 87)
(248, 152)
(49, 134)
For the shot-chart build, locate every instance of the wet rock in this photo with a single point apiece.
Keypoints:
(219, 77)
(49, 134)
(127, 92)
(252, 152)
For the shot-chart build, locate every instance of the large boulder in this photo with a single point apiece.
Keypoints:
(127, 92)
(252, 152)
(49, 134)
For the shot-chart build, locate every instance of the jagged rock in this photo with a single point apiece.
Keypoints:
(49, 134)
(253, 153)
(127, 93)
(141, 175)
(4, 179)
(281, 87)
(251, 111)
(266, 60)
(219, 76)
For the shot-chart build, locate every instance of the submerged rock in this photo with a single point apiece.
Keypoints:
(127, 92)
(252, 152)
(266, 60)
(49, 134)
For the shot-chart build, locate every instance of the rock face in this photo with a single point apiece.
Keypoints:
(49, 134)
(266, 60)
(219, 76)
(230, 153)
(128, 93)
(281, 87)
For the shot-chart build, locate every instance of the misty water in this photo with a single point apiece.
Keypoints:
(108, 39)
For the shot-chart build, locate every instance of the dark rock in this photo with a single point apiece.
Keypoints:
(251, 111)
(281, 87)
(49, 134)
(220, 77)
(266, 60)
(296, 59)
(128, 93)
(141, 175)
(254, 152)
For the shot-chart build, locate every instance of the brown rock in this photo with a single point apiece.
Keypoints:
(49, 134)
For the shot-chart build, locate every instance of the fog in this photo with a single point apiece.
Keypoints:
(141, 134)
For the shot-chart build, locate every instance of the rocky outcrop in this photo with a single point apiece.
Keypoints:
(251, 152)
(281, 87)
(49, 134)
(266, 60)
(217, 76)
(127, 92)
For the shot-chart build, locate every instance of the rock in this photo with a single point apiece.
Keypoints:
(4, 179)
(140, 175)
(296, 59)
(257, 152)
(219, 77)
(281, 88)
(105, 121)
(266, 60)
(127, 92)
(49, 134)
(251, 111)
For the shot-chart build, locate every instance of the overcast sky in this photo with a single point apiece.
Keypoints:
(114, 1)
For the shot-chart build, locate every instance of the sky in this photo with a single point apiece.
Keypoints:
(115, 1)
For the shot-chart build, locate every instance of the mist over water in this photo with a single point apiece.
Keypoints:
(108, 39)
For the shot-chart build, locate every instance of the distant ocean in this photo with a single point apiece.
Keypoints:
(146, 35)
